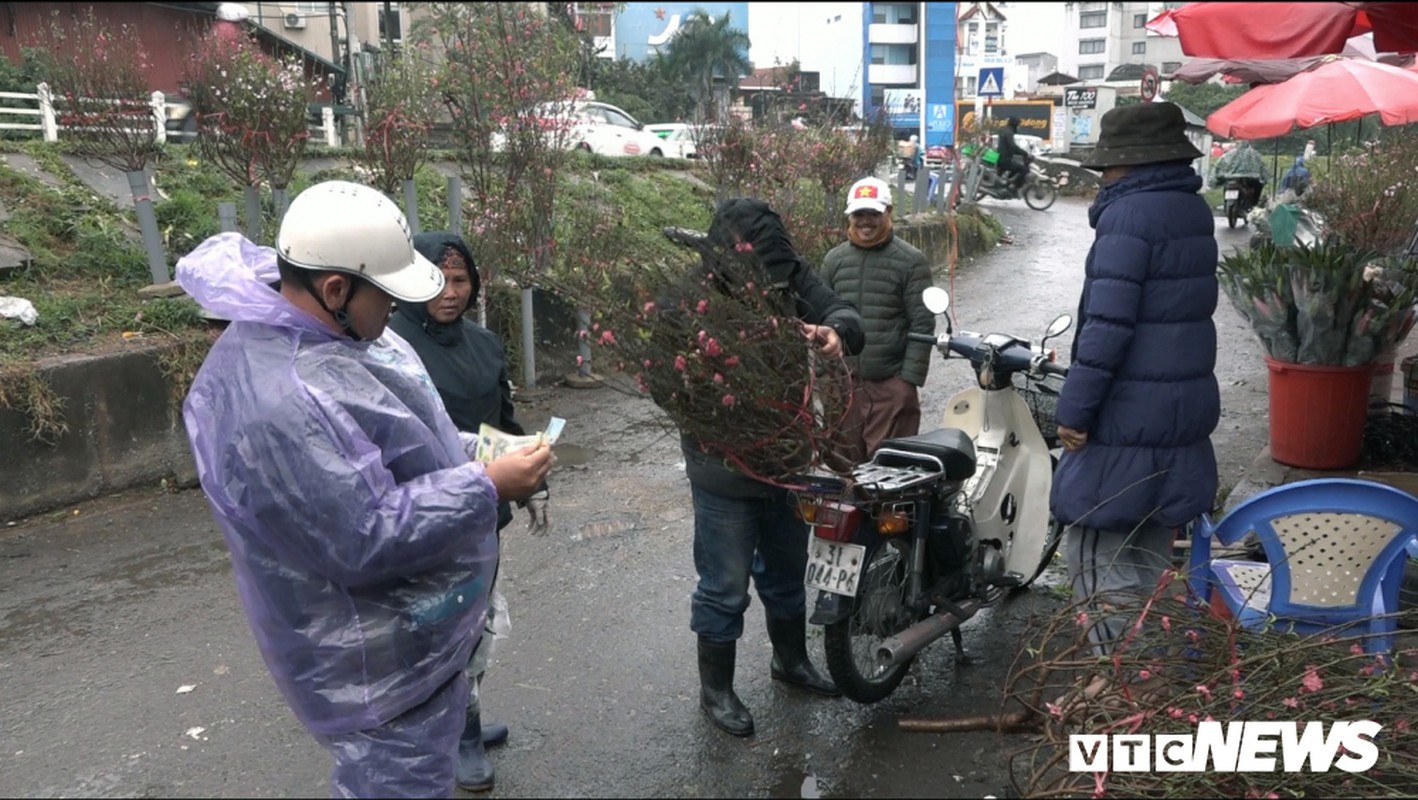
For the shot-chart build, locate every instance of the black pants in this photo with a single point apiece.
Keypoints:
(1014, 170)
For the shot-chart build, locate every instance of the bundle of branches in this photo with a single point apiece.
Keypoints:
(721, 351)
(1317, 304)
(1179, 665)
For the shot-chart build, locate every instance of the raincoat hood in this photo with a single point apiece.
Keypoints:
(432, 247)
(362, 538)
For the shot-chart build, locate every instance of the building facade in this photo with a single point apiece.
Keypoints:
(909, 60)
(1032, 67)
(980, 45)
(639, 30)
(1100, 37)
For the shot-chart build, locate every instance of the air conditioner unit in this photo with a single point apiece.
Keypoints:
(295, 22)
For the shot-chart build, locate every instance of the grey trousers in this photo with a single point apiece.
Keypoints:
(1117, 567)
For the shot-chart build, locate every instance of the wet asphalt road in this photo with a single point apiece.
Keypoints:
(109, 608)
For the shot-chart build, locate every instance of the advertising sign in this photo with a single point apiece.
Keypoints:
(1082, 97)
(1035, 118)
(904, 107)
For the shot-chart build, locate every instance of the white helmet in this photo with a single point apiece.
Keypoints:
(347, 227)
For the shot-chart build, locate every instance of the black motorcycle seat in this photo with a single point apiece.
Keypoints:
(952, 446)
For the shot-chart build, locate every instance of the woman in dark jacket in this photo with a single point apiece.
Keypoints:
(1141, 400)
(468, 365)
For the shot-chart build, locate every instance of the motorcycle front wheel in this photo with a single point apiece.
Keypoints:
(1040, 195)
(881, 613)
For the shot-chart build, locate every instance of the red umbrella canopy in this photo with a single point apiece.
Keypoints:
(1200, 70)
(1337, 90)
(1286, 30)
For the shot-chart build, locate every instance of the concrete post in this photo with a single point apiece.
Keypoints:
(583, 342)
(252, 194)
(148, 224)
(411, 206)
(159, 106)
(48, 125)
(455, 205)
(327, 121)
(226, 215)
(529, 342)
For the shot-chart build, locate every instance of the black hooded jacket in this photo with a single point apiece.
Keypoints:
(813, 301)
(466, 361)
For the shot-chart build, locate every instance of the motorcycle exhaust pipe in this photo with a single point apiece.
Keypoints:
(906, 644)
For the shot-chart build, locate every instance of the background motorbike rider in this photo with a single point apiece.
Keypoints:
(1013, 159)
(1245, 166)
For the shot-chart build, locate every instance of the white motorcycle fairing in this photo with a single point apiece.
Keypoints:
(1008, 495)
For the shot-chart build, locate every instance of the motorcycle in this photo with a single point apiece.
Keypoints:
(1241, 195)
(937, 526)
(1038, 192)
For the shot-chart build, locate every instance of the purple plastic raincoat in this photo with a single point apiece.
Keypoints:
(362, 538)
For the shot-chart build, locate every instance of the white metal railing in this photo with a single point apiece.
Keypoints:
(47, 125)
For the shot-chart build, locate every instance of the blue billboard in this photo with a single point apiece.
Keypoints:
(940, 74)
(644, 28)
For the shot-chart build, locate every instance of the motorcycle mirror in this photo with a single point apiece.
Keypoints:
(936, 299)
(1060, 324)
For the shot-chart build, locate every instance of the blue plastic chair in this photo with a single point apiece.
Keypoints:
(1336, 549)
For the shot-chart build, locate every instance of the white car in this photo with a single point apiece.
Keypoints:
(603, 129)
(684, 142)
(594, 127)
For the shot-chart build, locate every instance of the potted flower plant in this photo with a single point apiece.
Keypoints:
(1323, 319)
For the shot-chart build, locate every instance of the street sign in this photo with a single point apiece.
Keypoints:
(991, 83)
(1149, 85)
(1083, 97)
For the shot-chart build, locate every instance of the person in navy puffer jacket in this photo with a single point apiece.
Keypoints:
(1141, 399)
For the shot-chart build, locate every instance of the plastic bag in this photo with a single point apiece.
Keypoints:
(18, 308)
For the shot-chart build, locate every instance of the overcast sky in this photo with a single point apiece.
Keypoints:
(776, 33)
(1034, 28)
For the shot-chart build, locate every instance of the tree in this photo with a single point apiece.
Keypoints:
(402, 102)
(706, 48)
(98, 75)
(1202, 99)
(252, 116)
(508, 83)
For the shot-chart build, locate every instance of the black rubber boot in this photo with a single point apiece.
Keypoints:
(790, 662)
(494, 734)
(475, 772)
(716, 688)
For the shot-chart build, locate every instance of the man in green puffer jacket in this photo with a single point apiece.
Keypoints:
(884, 276)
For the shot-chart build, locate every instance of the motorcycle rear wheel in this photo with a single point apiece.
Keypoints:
(1040, 196)
(881, 613)
(1231, 214)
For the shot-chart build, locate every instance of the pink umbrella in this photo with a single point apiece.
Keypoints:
(1335, 91)
(1286, 30)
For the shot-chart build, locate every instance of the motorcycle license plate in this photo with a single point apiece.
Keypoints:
(1232, 194)
(834, 566)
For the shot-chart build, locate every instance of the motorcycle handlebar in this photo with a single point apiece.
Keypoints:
(1050, 368)
(922, 337)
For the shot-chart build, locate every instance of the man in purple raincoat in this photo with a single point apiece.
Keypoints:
(362, 537)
